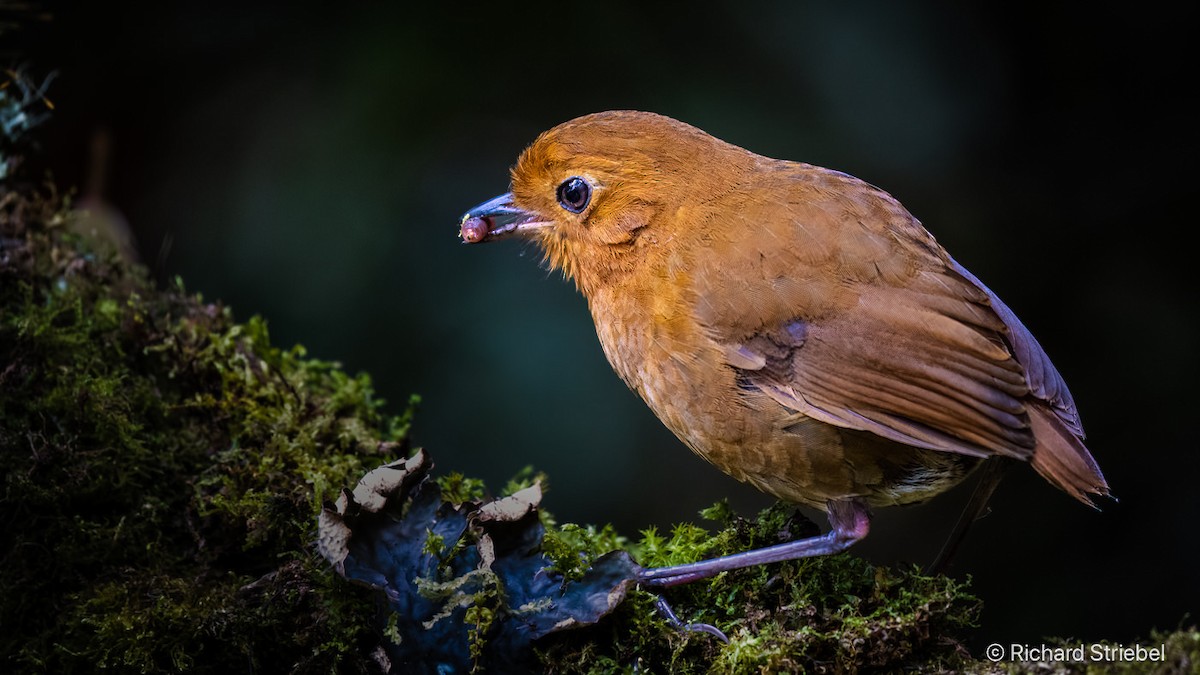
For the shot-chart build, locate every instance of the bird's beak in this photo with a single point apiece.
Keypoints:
(497, 218)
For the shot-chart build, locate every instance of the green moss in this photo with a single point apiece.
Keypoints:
(458, 488)
(1182, 651)
(163, 466)
(525, 478)
(573, 547)
(836, 613)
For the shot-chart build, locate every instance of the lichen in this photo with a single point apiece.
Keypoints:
(468, 584)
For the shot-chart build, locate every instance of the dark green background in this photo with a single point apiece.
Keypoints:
(310, 164)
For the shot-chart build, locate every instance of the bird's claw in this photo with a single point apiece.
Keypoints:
(673, 619)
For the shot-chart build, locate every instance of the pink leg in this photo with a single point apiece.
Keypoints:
(850, 522)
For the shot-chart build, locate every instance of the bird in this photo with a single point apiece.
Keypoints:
(793, 325)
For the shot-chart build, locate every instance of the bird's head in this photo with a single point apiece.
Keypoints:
(604, 193)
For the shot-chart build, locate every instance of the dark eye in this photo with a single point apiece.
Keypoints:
(574, 194)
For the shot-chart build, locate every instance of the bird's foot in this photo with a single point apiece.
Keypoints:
(678, 625)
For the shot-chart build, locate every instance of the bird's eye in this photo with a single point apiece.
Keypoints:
(574, 194)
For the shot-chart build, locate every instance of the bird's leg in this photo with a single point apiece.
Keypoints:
(850, 522)
(990, 473)
(666, 611)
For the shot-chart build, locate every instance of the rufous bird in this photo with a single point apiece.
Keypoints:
(793, 325)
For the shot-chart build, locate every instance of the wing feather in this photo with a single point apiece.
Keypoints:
(899, 369)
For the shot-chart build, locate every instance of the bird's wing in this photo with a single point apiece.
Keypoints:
(1045, 382)
(921, 367)
(857, 318)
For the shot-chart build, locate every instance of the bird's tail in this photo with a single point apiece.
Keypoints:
(1062, 459)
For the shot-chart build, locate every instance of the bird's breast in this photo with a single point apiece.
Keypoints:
(654, 343)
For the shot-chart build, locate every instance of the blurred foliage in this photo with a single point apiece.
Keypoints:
(23, 106)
